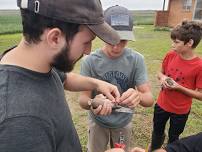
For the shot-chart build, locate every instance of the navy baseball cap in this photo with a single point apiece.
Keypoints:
(121, 19)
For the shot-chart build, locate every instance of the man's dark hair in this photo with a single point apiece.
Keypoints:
(35, 24)
(186, 31)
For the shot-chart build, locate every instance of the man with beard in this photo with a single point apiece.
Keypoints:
(34, 115)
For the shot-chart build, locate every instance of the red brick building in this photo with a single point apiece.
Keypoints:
(179, 10)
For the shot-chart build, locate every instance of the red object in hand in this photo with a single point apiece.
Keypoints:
(118, 145)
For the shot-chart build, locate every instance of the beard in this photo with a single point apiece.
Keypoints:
(62, 61)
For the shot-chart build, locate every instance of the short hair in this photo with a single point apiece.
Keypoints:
(186, 31)
(35, 24)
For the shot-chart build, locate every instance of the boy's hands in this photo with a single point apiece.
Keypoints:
(104, 109)
(172, 84)
(163, 81)
(130, 98)
(168, 83)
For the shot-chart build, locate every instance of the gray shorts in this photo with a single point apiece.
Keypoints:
(99, 137)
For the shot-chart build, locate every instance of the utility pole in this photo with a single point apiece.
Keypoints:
(164, 1)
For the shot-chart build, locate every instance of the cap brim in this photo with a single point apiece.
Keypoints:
(126, 35)
(106, 33)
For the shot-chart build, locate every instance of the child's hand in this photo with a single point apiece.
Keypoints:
(130, 98)
(169, 83)
(163, 81)
(105, 108)
(172, 84)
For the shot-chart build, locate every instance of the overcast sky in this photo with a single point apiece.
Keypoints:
(130, 4)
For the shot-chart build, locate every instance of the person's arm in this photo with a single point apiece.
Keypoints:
(146, 97)
(23, 134)
(175, 86)
(197, 94)
(76, 82)
(84, 97)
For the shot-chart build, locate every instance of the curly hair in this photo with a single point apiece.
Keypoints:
(188, 30)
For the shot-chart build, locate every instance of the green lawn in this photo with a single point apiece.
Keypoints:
(153, 45)
(10, 21)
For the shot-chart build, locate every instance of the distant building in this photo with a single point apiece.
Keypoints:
(179, 10)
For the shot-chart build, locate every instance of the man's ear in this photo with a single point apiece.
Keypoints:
(55, 38)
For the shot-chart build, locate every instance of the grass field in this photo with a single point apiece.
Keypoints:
(10, 22)
(143, 17)
(153, 45)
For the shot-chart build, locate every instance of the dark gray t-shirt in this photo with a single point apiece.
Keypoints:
(126, 71)
(34, 115)
(188, 144)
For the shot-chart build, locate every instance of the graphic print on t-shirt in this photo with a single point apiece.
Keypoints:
(116, 77)
(176, 75)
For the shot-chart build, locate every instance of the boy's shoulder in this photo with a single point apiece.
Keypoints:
(132, 53)
(170, 54)
(95, 54)
(94, 57)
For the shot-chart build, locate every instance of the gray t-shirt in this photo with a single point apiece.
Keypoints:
(125, 72)
(34, 115)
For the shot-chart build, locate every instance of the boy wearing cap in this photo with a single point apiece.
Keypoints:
(124, 68)
(34, 115)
